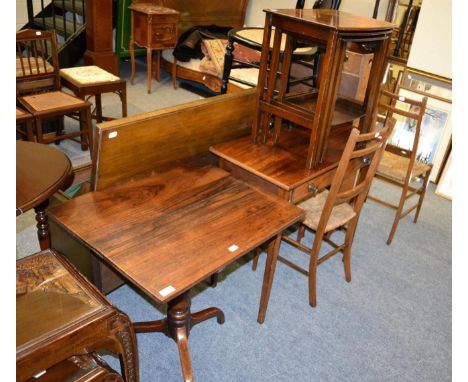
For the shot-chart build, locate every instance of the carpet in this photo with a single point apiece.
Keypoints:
(391, 323)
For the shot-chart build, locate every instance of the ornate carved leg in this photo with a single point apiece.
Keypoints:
(126, 342)
(227, 65)
(42, 225)
(272, 253)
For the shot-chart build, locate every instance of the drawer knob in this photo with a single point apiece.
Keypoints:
(313, 188)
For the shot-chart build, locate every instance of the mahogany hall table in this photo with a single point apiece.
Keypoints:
(40, 172)
(59, 314)
(167, 231)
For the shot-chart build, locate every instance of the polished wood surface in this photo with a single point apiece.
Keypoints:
(319, 109)
(280, 168)
(59, 314)
(332, 19)
(153, 218)
(155, 138)
(40, 171)
(168, 230)
(163, 136)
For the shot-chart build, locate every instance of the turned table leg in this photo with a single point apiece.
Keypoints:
(43, 232)
(177, 326)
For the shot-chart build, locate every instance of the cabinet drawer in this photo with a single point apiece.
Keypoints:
(309, 189)
(163, 35)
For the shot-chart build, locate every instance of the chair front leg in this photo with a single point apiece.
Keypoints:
(421, 195)
(313, 268)
(404, 192)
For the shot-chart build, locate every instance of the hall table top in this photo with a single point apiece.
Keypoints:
(170, 230)
(167, 231)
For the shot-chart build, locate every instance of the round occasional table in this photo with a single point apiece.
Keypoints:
(40, 171)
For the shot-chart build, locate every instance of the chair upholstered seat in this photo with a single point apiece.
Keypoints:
(42, 102)
(256, 35)
(340, 215)
(87, 75)
(395, 167)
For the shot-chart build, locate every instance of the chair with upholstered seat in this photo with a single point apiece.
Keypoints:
(339, 208)
(399, 165)
(252, 37)
(38, 87)
(91, 80)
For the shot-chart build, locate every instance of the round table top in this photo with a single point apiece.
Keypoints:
(40, 171)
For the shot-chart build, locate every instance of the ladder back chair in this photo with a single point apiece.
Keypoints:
(339, 207)
(400, 166)
(38, 88)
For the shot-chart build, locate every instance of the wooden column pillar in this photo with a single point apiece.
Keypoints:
(99, 46)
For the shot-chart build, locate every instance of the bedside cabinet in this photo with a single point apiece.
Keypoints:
(154, 28)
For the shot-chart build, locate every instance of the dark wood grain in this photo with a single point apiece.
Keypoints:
(281, 168)
(174, 228)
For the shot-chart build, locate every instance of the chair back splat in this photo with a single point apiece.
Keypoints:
(37, 66)
(340, 207)
(400, 165)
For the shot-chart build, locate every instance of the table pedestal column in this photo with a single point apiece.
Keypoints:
(43, 233)
(177, 326)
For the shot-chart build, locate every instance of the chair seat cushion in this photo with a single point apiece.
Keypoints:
(395, 166)
(87, 75)
(43, 102)
(341, 214)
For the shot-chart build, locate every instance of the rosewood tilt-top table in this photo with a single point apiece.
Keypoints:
(167, 231)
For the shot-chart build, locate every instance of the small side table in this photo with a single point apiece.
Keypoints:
(41, 171)
(59, 314)
(93, 81)
(153, 27)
